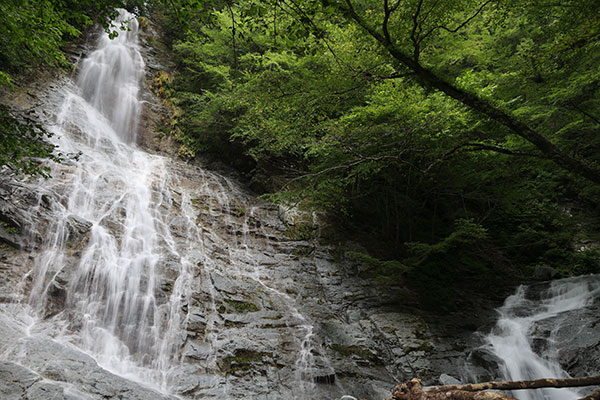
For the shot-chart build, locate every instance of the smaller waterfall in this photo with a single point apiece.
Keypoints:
(517, 334)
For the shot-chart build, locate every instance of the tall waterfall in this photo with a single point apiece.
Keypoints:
(152, 267)
(121, 191)
(517, 332)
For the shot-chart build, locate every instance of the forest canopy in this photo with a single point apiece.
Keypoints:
(449, 138)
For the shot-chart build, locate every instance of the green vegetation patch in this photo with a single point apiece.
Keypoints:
(302, 231)
(437, 177)
(23, 145)
(242, 307)
(357, 351)
(242, 360)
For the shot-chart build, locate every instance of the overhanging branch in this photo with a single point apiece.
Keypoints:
(483, 106)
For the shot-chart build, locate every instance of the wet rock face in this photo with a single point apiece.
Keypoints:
(577, 336)
(269, 314)
(62, 372)
(272, 313)
(17, 241)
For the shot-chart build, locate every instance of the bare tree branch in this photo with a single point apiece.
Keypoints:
(587, 114)
(386, 18)
(497, 149)
(414, 37)
(461, 25)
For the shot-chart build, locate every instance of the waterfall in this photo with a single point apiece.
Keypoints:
(110, 78)
(524, 337)
(155, 240)
(121, 192)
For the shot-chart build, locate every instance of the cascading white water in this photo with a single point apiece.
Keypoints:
(110, 78)
(244, 264)
(513, 337)
(115, 307)
(121, 191)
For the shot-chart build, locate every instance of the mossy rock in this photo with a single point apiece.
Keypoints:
(301, 231)
(303, 251)
(238, 211)
(357, 351)
(425, 347)
(242, 360)
(241, 307)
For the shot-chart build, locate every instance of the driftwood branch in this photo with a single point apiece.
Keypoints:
(533, 384)
(412, 390)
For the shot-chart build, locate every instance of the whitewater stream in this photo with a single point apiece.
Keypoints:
(133, 275)
(534, 325)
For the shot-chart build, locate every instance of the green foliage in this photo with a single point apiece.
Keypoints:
(586, 261)
(466, 234)
(33, 32)
(301, 231)
(4, 79)
(301, 91)
(23, 146)
(380, 268)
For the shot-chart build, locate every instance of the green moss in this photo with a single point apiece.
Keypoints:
(234, 324)
(242, 306)
(424, 346)
(238, 211)
(302, 231)
(7, 247)
(10, 228)
(303, 251)
(357, 351)
(143, 22)
(242, 360)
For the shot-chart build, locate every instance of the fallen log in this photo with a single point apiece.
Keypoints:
(413, 390)
(532, 384)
